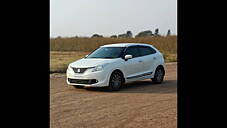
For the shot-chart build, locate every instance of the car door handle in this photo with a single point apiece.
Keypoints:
(154, 58)
(140, 61)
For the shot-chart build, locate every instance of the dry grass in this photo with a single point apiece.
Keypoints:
(59, 60)
(165, 44)
(66, 50)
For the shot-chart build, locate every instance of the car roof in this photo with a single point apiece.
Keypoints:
(126, 45)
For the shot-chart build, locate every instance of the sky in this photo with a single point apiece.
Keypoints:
(70, 18)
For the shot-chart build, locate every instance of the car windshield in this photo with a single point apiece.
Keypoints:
(107, 52)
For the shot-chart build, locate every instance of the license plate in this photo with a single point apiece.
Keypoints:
(78, 77)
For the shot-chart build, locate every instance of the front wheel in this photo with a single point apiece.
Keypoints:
(159, 75)
(116, 80)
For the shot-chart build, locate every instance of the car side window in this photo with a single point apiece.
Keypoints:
(134, 51)
(146, 50)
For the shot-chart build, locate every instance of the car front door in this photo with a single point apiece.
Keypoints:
(133, 67)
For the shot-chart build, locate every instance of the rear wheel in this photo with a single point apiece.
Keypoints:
(116, 80)
(78, 86)
(159, 75)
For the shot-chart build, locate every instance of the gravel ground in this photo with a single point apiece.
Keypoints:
(141, 104)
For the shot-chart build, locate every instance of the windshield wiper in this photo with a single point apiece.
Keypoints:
(92, 57)
(103, 57)
(109, 57)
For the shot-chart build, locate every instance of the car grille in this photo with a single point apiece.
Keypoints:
(79, 70)
(82, 81)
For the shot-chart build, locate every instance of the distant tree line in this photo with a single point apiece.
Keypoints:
(128, 34)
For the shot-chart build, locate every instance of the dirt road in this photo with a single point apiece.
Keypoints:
(137, 105)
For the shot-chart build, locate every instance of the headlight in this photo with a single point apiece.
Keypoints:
(69, 68)
(97, 68)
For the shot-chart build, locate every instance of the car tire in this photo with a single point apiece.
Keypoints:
(115, 82)
(78, 87)
(159, 75)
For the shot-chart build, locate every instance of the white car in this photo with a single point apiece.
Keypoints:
(114, 64)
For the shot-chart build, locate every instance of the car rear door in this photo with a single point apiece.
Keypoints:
(149, 57)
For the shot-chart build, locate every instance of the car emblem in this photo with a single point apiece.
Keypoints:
(78, 70)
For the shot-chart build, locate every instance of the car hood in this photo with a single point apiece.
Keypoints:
(90, 62)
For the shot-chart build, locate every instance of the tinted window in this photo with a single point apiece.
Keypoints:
(107, 52)
(132, 51)
(146, 51)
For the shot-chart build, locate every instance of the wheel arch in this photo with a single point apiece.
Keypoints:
(121, 72)
(162, 67)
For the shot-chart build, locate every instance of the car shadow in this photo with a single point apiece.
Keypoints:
(168, 86)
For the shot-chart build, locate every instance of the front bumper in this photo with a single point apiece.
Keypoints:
(83, 81)
(88, 79)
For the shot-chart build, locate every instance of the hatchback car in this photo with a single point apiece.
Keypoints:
(113, 65)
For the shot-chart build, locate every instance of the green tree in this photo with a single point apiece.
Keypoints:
(168, 33)
(156, 33)
(144, 34)
(96, 35)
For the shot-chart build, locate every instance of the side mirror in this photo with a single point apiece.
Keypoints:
(86, 56)
(128, 57)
